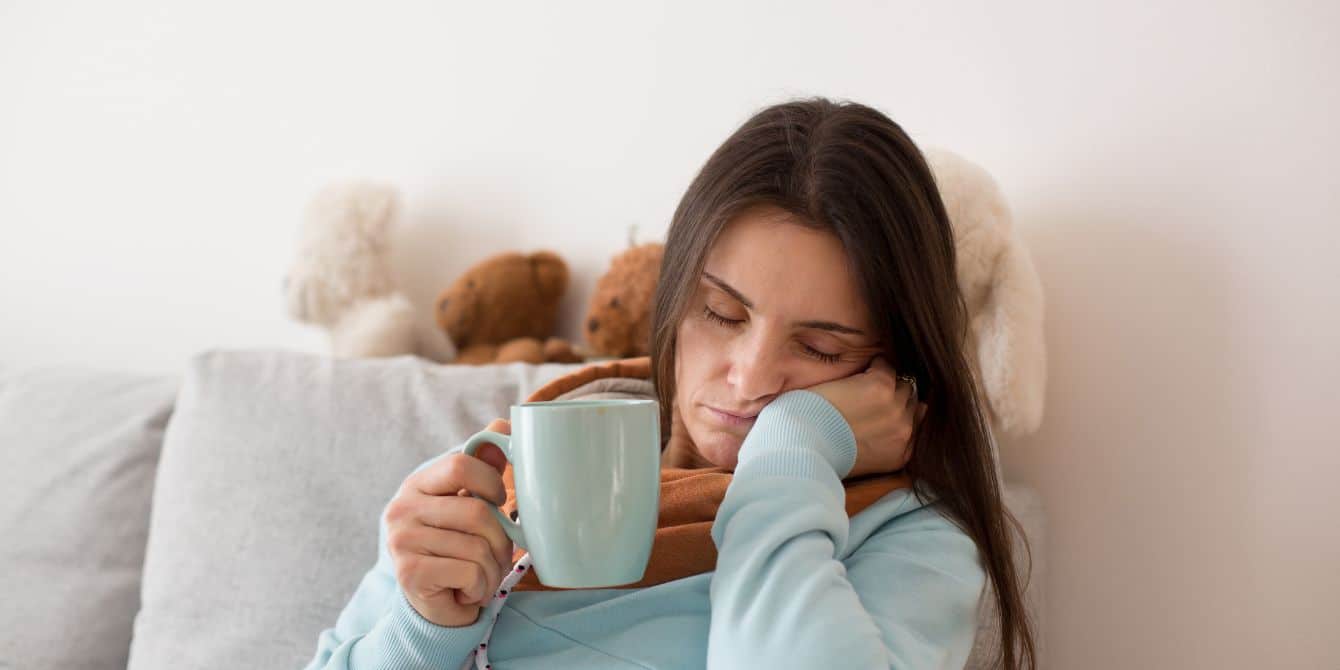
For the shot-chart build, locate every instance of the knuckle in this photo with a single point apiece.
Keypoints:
(395, 542)
(400, 541)
(405, 569)
(411, 485)
(397, 511)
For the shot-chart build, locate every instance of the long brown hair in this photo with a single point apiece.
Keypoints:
(849, 169)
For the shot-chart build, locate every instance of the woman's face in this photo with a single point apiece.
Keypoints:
(778, 282)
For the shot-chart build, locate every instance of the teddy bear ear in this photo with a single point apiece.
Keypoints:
(551, 274)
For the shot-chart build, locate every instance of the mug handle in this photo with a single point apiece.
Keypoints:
(504, 442)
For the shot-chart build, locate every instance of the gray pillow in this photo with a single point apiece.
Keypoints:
(80, 450)
(275, 470)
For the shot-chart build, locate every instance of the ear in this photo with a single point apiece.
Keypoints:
(551, 274)
(379, 205)
(1008, 335)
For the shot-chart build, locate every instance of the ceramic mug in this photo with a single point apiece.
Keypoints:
(587, 475)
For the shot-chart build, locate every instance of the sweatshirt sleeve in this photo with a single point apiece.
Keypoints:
(379, 628)
(780, 598)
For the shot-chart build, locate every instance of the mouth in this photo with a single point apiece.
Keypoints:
(729, 419)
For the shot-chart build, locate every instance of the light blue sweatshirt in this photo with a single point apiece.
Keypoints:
(797, 584)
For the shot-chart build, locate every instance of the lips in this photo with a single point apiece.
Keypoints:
(729, 418)
(737, 415)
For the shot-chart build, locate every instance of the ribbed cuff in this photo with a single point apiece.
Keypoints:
(402, 638)
(791, 428)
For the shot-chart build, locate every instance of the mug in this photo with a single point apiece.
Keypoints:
(588, 487)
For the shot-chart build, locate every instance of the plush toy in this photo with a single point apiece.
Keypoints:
(618, 320)
(1002, 291)
(341, 278)
(504, 308)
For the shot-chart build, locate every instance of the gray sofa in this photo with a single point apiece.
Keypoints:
(221, 518)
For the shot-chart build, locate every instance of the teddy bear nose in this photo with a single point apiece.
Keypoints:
(442, 305)
(592, 325)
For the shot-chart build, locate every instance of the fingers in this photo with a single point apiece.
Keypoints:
(879, 364)
(500, 426)
(902, 387)
(448, 475)
(468, 547)
(880, 367)
(490, 453)
(443, 559)
(466, 514)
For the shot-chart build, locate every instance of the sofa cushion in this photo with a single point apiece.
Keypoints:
(275, 469)
(81, 446)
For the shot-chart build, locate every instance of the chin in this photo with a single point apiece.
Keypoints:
(719, 447)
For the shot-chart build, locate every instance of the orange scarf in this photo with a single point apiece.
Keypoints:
(683, 543)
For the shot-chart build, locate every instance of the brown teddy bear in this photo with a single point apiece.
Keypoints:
(618, 321)
(503, 310)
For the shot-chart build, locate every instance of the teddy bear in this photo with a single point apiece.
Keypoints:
(618, 318)
(503, 309)
(341, 277)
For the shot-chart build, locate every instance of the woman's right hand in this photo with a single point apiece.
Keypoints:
(450, 552)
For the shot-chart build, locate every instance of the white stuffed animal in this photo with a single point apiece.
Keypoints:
(341, 278)
(1002, 291)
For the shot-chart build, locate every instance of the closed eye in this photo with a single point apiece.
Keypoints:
(735, 323)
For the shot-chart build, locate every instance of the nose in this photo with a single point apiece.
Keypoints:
(756, 371)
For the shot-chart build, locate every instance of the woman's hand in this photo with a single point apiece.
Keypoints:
(878, 408)
(449, 550)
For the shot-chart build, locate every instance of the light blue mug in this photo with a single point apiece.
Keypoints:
(588, 487)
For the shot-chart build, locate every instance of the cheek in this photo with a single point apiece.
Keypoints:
(706, 340)
(700, 351)
(695, 357)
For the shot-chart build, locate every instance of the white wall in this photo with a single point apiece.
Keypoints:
(1170, 165)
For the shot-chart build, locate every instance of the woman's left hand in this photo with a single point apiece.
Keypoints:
(878, 407)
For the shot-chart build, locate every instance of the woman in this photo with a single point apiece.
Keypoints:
(807, 289)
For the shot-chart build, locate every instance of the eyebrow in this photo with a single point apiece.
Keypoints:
(822, 325)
